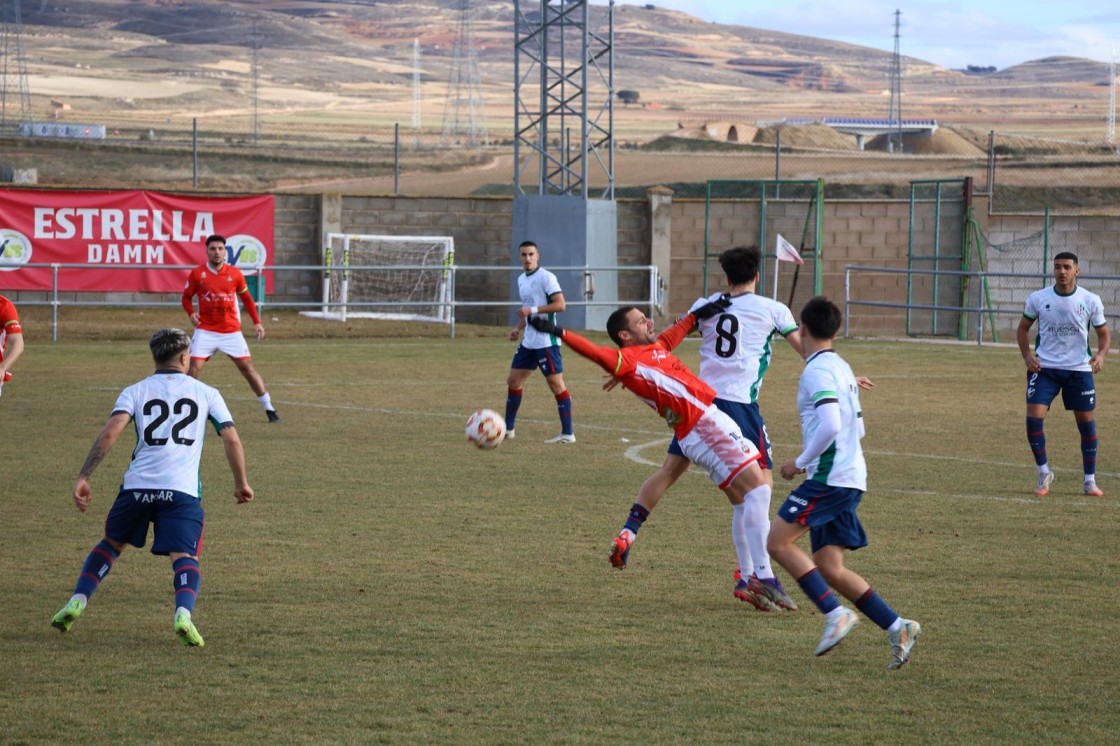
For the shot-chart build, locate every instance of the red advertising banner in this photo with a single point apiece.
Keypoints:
(114, 231)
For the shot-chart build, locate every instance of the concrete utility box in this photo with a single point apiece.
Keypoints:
(571, 232)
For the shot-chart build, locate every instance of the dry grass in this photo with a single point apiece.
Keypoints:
(391, 585)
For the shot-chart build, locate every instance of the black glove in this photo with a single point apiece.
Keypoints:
(708, 310)
(545, 326)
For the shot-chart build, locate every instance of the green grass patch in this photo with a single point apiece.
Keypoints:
(392, 585)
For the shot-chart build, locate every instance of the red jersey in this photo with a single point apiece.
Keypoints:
(656, 375)
(218, 309)
(9, 323)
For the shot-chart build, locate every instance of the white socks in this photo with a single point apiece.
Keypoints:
(750, 526)
(757, 529)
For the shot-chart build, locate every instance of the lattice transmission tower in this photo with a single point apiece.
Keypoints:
(15, 95)
(564, 98)
(464, 121)
(894, 140)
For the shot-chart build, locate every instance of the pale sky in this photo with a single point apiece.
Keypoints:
(950, 33)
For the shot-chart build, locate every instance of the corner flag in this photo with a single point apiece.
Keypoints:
(786, 251)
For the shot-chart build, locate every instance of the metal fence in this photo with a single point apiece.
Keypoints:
(1022, 174)
(989, 306)
(487, 289)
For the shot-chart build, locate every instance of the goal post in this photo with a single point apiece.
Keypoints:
(387, 277)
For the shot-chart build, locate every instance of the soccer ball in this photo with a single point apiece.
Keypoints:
(486, 429)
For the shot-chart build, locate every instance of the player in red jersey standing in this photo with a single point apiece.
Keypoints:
(217, 321)
(11, 339)
(708, 437)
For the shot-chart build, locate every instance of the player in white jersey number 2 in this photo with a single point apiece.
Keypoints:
(162, 485)
(1061, 363)
(825, 504)
(541, 297)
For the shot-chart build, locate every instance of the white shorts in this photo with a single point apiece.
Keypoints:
(204, 344)
(718, 445)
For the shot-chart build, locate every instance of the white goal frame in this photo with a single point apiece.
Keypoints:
(362, 278)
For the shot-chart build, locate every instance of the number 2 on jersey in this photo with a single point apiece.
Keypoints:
(162, 412)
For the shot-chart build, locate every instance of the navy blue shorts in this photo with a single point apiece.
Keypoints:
(546, 359)
(176, 516)
(829, 512)
(749, 419)
(1079, 392)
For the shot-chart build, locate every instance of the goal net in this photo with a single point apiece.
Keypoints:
(387, 277)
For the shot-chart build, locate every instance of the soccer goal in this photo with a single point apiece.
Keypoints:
(387, 277)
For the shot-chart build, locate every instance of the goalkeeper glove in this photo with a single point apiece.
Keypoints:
(708, 310)
(545, 326)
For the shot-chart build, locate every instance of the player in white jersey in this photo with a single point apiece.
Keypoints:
(540, 296)
(1061, 362)
(170, 411)
(825, 504)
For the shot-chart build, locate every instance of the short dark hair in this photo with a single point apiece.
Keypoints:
(167, 343)
(215, 237)
(1066, 255)
(821, 317)
(616, 322)
(523, 244)
(740, 264)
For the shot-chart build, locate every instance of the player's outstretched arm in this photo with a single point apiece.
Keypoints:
(97, 453)
(235, 454)
(606, 357)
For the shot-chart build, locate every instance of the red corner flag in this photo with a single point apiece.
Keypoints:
(786, 251)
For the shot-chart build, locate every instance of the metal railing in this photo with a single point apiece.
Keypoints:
(450, 301)
(996, 294)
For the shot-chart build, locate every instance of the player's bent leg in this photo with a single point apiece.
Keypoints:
(249, 373)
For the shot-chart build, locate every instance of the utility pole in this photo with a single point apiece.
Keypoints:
(894, 142)
(1111, 135)
(415, 93)
(255, 72)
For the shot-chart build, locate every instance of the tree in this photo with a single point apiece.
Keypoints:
(629, 97)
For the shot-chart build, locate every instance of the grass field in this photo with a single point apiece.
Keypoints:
(392, 585)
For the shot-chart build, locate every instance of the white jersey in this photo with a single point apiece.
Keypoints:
(827, 378)
(735, 348)
(1063, 326)
(535, 289)
(170, 411)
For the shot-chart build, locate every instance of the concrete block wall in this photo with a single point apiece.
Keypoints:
(481, 228)
(1094, 239)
